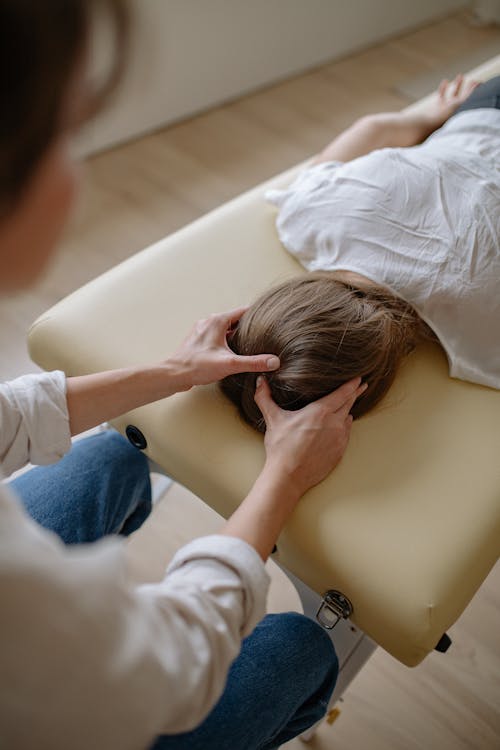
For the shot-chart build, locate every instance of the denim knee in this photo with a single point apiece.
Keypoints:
(107, 480)
(278, 687)
(116, 449)
(308, 643)
(306, 671)
(307, 631)
(127, 472)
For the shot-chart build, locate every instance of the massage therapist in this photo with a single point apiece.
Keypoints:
(88, 660)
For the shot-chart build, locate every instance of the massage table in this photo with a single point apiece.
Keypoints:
(392, 546)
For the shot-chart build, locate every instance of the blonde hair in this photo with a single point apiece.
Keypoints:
(325, 331)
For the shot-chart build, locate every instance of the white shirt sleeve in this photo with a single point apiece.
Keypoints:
(34, 420)
(213, 596)
(86, 655)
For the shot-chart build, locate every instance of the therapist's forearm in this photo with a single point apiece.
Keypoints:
(261, 517)
(96, 398)
(203, 357)
(302, 448)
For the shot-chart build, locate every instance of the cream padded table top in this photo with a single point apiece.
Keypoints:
(407, 527)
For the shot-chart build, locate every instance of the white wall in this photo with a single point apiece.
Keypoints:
(192, 54)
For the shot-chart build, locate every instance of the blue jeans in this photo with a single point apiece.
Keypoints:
(281, 682)
(278, 687)
(100, 487)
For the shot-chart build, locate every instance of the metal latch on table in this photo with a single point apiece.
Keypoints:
(333, 607)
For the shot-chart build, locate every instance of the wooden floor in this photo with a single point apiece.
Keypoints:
(135, 195)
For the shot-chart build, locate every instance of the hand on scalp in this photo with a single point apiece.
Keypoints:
(207, 357)
(307, 444)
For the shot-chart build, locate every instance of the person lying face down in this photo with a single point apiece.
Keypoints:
(324, 330)
(400, 230)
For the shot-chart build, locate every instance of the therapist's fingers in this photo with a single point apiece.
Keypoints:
(345, 409)
(339, 401)
(265, 401)
(216, 326)
(349, 403)
(233, 316)
(308, 443)
(254, 363)
(221, 323)
(342, 399)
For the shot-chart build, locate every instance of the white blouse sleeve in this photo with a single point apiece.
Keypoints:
(34, 420)
(213, 595)
(140, 661)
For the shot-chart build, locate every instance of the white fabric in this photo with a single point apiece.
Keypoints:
(34, 424)
(423, 221)
(87, 660)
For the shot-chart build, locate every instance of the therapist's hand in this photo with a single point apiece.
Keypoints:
(302, 447)
(305, 445)
(205, 356)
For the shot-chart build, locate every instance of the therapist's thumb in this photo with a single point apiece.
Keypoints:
(256, 363)
(264, 400)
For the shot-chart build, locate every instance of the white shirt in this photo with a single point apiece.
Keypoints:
(88, 661)
(423, 221)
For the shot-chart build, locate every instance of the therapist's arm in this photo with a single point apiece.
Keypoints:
(398, 129)
(204, 357)
(302, 447)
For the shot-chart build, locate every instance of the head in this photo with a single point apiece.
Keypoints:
(45, 95)
(325, 332)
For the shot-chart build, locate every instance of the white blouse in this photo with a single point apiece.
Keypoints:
(423, 221)
(86, 659)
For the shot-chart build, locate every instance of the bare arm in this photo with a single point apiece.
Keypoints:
(203, 358)
(302, 447)
(398, 129)
(97, 398)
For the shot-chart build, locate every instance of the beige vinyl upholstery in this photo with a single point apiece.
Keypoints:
(407, 527)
